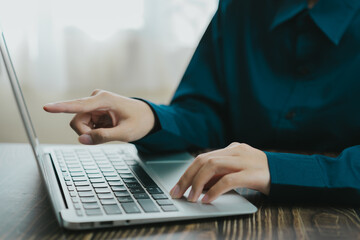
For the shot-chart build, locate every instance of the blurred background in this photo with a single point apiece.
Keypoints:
(64, 49)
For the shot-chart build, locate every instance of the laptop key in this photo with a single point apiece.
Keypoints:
(68, 183)
(154, 190)
(73, 169)
(159, 196)
(97, 180)
(90, 167)
(118, 188)
(106, 169)
(83, 189)
(77, 206)
(126, 175)
(102, 190)
(133, 185)
(122, 169)
(110, 174)
(122, 193)
(79, 179)
(107, 201)
(143, 176)
(88, 199)
(136, 190)
(100, 185)
(94, 176)
(77, 174)
(148, 205)
(164, 202)
(141, 195)
(112, 209)
(105, 195)
(91, 205)
(93, 212)
(81, 184)
(88, 164)
(130, 207)
(125, 199)
(112, 179)
(169, 208)
(86, 194)
(130, 180)
(118, 163)
(72, 194)
(115, 183)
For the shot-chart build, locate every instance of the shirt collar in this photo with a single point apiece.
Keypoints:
(331, 16)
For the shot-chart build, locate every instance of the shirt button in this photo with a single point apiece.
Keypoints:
(303, 70)
(290, 115)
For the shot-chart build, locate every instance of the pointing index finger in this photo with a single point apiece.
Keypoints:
(82, 105)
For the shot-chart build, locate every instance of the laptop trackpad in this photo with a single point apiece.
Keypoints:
(168, 172)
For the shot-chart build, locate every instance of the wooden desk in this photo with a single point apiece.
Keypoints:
(26, 213)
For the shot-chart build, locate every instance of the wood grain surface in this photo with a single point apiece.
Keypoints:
(26, 213)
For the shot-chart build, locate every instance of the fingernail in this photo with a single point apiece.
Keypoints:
(191, 196)
(205, 199)
(48, 105)
(86, 139)
(175, 191)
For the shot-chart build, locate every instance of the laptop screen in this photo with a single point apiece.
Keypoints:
(25, 116)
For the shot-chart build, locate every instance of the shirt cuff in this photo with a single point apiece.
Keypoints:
(295, 177)
(161, 138)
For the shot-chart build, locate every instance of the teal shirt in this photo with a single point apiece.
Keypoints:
(275, 75)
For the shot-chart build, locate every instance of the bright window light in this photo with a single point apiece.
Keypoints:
(99, 19)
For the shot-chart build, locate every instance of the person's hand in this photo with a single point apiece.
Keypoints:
(106, 116)
(238, 165)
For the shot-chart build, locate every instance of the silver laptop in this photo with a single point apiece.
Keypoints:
(111, 185)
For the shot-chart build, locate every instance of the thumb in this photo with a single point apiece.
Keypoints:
(101, 135)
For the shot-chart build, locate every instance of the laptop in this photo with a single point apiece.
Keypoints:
(112, 185)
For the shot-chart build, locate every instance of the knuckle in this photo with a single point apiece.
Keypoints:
(235, 144)
(96, 91)
(227, 180)
(212, 162)
(103, 93)
(242, 147)
(201, 159)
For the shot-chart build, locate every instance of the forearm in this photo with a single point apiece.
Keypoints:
(186, 126)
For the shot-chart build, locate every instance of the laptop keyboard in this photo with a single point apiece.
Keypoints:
(110, 182)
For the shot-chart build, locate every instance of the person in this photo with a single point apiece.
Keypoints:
(267, 74)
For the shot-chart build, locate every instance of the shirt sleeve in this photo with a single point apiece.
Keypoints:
(315, 178)
(194, 118)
